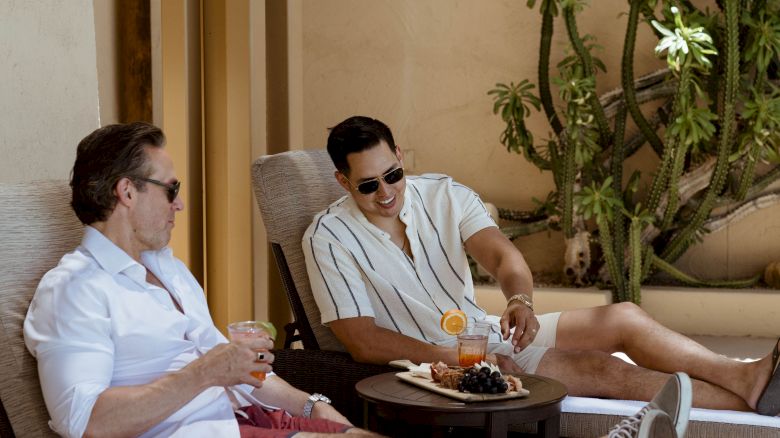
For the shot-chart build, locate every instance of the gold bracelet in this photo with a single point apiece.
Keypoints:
(523, 298)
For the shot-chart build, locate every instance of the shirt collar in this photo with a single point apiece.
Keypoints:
(407, 202)
(159, 261)
(109, 256)
(114, 259)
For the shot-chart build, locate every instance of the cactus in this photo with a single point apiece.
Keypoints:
(705, 75)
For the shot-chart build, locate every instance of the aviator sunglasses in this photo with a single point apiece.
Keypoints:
(172, 190)
(370, 186)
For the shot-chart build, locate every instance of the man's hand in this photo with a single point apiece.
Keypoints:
(519, 316)
(231, 364)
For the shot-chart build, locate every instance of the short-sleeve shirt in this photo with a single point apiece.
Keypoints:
(95, 323)
(356, 270)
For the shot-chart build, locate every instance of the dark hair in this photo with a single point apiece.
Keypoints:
(104, 157)
(356, 134)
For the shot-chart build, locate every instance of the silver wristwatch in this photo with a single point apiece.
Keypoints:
(309, 406)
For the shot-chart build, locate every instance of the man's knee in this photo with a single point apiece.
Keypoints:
(627, 312)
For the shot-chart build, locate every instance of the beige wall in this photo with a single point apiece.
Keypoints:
(424, 67)
(48, 86)
(107, 52)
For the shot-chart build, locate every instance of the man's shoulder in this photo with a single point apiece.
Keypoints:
(430, 179)
(436, 185)
(337, 211)
(75, 271)
(435, 181)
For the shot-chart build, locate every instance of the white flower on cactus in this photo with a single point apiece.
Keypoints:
(684, 42)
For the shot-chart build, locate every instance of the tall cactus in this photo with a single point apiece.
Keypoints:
(627, 79)
(619, 225)
(548, 13)
(587, 65)
(684, 238)
(697, 146)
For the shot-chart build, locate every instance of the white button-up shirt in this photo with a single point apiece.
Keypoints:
(95, 323)
(356, 270)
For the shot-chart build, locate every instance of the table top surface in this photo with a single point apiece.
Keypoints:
(387, 388)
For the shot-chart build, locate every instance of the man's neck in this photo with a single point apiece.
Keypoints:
(120, 236)
(385, 223)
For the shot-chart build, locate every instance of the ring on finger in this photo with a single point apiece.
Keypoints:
(260, 356)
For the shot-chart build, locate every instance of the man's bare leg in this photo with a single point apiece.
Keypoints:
(627, 328)
(599, 374)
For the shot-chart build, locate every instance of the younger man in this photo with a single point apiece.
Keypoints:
(387, 260)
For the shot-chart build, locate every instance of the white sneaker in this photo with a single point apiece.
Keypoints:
(647, 423)
(657, 424)
(673, 400)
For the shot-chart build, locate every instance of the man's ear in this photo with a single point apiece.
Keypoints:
(125, 192)
(343, 182)
(399, 155)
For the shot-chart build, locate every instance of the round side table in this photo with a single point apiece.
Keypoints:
(388, 397)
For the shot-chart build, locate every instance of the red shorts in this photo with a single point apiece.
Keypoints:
(278, 424)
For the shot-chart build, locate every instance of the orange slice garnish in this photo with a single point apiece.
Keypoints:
(453, 321)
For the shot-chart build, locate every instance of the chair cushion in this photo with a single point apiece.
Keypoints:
(586, 417)
(291, 187)
(37, 227)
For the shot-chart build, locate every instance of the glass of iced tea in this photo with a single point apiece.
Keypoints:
(472, 344)
(251, 330)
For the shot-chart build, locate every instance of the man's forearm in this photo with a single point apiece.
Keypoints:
(494, 252)
(391, 346)
(369, 343)
(514, 277)
(277, 392)
(132, 410)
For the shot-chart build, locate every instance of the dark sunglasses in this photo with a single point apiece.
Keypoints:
(172, 190)
(370, 186)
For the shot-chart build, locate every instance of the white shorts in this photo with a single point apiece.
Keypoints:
(529, 358)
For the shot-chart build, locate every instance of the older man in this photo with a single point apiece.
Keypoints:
(121, 330)
(386, 261)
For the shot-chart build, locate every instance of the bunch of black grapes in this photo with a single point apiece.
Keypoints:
(482, 381)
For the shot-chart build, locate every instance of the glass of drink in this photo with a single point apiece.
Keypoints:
(251, 330)
(472, 344)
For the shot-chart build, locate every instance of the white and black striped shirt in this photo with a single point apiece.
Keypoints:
(356, 270)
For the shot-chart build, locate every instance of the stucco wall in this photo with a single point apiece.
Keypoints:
(424, 67)
(48, 86)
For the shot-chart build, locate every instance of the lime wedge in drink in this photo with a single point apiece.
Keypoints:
(269, 328)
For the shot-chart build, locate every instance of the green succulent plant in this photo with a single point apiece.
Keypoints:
(720, 117)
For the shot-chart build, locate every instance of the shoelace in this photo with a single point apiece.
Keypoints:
(628, 427)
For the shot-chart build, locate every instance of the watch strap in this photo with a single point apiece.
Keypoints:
(308, 407)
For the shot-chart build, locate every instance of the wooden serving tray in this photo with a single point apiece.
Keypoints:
(430, 385)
